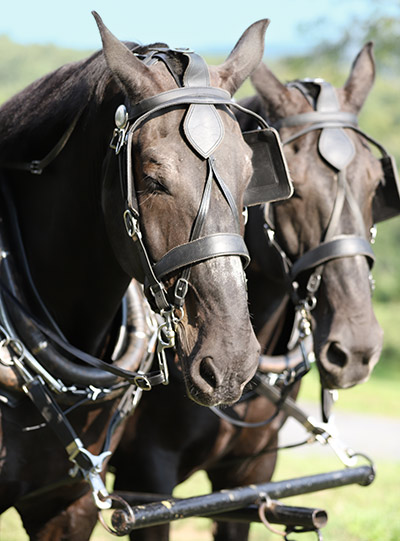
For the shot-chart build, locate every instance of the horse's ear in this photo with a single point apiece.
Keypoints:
(275, 96)
(244, 58)
(361, 78)
(132, 75)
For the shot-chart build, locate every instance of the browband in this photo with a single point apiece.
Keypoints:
(340, 117)
(207, 95)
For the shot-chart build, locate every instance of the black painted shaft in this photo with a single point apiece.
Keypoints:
(276, 513)
(171, 509)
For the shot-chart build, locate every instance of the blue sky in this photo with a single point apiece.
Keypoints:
(203, 25)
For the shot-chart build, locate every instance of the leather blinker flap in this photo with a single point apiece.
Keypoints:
(270, 180)
(386, 203)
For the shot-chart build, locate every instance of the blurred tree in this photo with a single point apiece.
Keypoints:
(377, 21)
(22, 64)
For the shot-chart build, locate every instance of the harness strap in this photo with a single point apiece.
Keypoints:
(89, 465)
(182, 284)
(319, 126)
(225, 190)
(156, 287)
(54, 417)
(337, 207)
(136, 378)
(204, 206)
(36, 166)
(208, 95)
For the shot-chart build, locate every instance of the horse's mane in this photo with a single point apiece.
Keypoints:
(55, 98)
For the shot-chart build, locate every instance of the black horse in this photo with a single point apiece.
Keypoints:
(83, 220)
(171, 437)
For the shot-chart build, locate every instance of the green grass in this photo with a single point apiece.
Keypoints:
(355, 513)
(380, 395)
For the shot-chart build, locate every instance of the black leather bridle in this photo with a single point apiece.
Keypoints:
(201, 100)
(337, 149)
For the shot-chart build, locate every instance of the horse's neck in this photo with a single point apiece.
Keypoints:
(267, 288)
(268, 306)
(66, 244)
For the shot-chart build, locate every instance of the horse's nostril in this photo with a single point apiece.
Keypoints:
(336, 355)
(207, 372)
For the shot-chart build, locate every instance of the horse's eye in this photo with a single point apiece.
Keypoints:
(155, 186)
(295, 148)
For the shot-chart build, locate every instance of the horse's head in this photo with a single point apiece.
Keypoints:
(189, 167)
(335, 177)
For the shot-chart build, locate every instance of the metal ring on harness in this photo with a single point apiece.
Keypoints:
(265, 503)
(126, 509)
